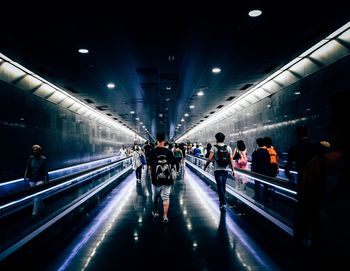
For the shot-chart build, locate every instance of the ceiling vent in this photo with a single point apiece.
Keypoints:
(88, 101)
(246, 86)
(147, 71)
(230, 98)
(72, 89)
(102, 107)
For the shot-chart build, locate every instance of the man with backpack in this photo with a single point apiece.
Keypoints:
(221, 154)
(274, 169)
(162, 162)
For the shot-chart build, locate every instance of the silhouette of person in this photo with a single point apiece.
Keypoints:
(36, 174)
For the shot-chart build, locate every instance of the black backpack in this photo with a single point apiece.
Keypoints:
(223, 157)
(163, 168)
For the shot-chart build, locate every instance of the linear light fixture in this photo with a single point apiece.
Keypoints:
(16, 74)
(326, 51)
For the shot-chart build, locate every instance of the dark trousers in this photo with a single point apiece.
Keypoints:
(138, 172)
(220, 178)
(177, 163)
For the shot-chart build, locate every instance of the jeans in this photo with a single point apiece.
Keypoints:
(37, 201)
(138, 172)
(220, 178)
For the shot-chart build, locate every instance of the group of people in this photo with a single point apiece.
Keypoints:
(323, 208)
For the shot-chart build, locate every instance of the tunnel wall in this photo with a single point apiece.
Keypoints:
(278, 115)
(65, 137)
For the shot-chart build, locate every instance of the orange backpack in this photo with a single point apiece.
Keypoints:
(273, 155)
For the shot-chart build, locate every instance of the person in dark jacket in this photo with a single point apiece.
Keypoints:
(300, 155)
(260, 164)
(36, 174)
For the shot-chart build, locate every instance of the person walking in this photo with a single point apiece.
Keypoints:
(300, 155)
(138, 161)
(260, 164)
(162, 163)
(36, 174)
(221, 154)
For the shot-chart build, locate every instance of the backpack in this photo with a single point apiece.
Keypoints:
(273, 155)
(163, 169)
(223, 157)
(142, 159)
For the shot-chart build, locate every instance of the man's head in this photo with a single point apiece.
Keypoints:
(220, 137)
(160, 137)
(36, 150)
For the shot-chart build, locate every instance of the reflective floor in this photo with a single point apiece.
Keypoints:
(121, 234)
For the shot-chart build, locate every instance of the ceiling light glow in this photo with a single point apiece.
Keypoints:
(111, 85)
(216, 70)
(255, 13)
(83, 51)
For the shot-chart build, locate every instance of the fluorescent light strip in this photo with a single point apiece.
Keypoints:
(303, 58)
(11, 71)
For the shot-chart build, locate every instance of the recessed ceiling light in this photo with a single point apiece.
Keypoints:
(182, 120)
(297, 93)
(186, 114)
(132, 112)
(83, 51)
(200, 93)
(168, 88)
(111, 85)
(192, 106)
(137, 118)
(216, 70)
(255, 13)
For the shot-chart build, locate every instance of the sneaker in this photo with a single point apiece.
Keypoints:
(165, 220)
(155, 214)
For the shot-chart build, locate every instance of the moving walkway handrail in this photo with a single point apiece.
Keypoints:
(54, 187)
(63, 212)
(274, 182)
(287, 190)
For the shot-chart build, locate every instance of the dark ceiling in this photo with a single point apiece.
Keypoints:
(160, 54)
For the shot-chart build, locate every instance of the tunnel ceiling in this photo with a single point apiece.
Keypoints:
(160, 55)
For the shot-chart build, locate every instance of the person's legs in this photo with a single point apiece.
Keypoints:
(221, 177)
(165, 195)
(155, 197)
(177, 164)
(139, 172)
(37, 202)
